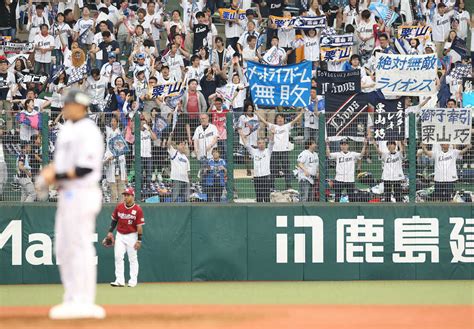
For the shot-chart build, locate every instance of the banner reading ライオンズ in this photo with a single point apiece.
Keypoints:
(286, 86)
(406, 75)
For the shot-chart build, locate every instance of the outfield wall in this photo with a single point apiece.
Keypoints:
(262, 242)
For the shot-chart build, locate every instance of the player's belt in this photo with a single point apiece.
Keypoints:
(80, 187)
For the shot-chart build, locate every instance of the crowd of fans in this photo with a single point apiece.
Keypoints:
(118, 51)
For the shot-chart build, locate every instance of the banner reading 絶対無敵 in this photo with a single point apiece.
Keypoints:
(446, 126)
(286, 86)
(406, 75)
(329, 82)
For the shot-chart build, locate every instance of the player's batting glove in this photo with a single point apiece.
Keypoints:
(108, 242)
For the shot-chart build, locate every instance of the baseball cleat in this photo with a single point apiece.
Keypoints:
(117, 284)
(96, 312)
(132, 285)
(68, 311)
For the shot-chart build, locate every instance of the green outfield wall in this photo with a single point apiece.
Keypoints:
(261, 242)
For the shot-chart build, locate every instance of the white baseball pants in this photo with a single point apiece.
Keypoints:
(125, 243)
(75, 252)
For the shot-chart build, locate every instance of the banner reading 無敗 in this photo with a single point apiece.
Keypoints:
(406, 75)
(285, 86)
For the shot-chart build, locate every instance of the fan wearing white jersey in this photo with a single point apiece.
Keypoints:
(445, 173)
(392, 173)
(76, 170)
(345, 167)
(308, 164)
(261, 166)
(281, 151)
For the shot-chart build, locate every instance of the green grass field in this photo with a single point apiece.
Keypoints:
(206, 293)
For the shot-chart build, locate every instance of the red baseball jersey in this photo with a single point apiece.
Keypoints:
(128, 218)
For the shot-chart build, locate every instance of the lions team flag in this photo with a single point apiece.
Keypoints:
(285, 86)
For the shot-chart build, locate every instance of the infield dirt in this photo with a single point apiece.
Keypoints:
(254, 316)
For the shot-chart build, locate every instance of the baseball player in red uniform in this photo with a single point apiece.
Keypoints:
(128, 218)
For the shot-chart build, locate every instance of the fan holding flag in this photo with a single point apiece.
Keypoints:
(30, 121)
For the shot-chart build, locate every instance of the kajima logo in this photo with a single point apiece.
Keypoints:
(317, 247)
(364, 240)
(40, 246)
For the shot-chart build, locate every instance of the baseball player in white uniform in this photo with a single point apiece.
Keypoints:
(76, 170)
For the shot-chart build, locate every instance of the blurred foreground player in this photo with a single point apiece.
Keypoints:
(76, 170)
(129, 220)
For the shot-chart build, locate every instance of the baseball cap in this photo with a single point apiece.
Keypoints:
(430, 45)
(112, 54)
(249, 12)
(129, 191)
(140, 56)
(3, 59)
(343, 141)
(78, 97)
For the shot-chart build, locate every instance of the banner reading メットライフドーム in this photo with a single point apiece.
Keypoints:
(286, 86)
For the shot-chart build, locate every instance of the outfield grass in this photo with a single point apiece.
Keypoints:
(342, 292)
